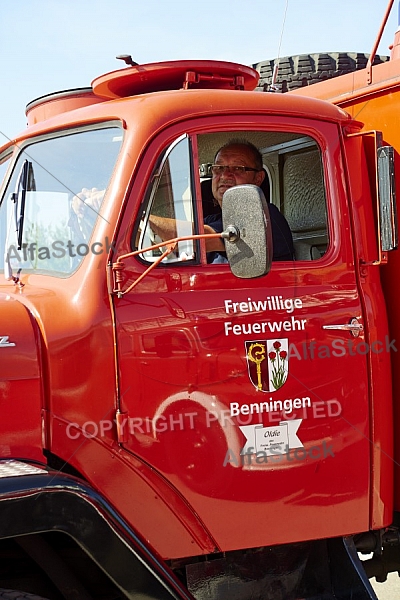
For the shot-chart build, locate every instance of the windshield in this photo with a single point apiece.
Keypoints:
(46, 221)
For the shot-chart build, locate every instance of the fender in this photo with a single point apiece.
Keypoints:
(21, 367)
(34, 499)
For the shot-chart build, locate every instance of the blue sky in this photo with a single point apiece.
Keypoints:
(52, 45)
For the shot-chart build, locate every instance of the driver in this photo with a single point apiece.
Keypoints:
(240, 162)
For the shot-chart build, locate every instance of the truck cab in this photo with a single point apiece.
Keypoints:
(228, 424)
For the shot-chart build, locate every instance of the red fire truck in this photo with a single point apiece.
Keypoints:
(175, 428)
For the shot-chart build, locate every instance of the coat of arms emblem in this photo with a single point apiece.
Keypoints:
(267, 363)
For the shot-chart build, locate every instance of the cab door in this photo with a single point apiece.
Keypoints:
(250, 396)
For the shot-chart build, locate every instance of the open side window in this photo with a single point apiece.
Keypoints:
(298, 190)
(293, 183)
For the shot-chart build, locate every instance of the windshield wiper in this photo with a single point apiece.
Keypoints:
(25, 182)
(19, 197)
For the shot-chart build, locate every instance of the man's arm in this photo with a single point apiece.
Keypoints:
(213, 224)
(215, 244)
(167, 229)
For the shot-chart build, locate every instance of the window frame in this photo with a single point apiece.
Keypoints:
(325, 134)
(147, 204)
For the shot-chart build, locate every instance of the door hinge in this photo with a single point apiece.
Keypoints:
(122, 421)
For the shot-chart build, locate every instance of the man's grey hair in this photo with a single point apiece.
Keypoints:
(256, 154)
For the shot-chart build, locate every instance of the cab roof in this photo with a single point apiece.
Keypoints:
(179, 89)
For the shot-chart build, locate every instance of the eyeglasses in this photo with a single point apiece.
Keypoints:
(235, 169)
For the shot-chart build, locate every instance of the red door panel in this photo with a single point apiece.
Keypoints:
(212, 366)
(185, 374)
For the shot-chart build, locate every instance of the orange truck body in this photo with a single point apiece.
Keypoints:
(372, 97)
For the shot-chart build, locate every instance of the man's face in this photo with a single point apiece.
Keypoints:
(230, 156)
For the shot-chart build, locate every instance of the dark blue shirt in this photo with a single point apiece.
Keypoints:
(281, 234)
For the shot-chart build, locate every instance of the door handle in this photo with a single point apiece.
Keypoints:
(354, 327)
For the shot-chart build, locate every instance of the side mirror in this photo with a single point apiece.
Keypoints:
(247, 231)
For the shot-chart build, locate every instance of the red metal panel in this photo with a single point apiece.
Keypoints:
(184, 371)
(20, 381)
(199, 367)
